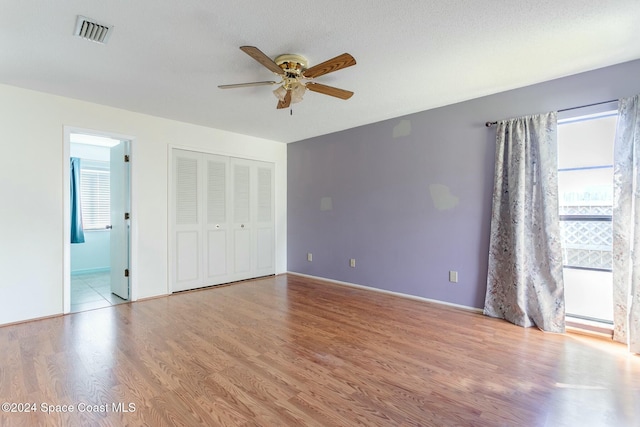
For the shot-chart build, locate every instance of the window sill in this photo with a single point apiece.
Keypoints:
(589, 327)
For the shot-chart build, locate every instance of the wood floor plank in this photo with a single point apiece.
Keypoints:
(295, 351)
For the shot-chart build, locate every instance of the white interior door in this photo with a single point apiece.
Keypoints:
(187, 221)
(217, 233)
(119, 188)
(265, 222)
(222, 219)
(242, 223)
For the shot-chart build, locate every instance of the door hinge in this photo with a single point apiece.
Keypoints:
(126, 215)
(126, 158)
(126, 272)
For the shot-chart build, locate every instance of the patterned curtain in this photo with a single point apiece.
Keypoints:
(626, 225)
(524, 283)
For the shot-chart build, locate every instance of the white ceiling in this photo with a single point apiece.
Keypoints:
(166, 57)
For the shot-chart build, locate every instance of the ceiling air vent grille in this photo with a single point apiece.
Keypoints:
(91, 30)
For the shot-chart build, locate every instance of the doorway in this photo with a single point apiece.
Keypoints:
(99, 211)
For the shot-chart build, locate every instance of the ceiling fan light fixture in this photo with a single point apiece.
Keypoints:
(280, 93)
(297, 93)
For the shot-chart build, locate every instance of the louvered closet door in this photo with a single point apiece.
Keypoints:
(242, 219)
(217, 230)
(222, 220)
(187, 221)
(265, 222)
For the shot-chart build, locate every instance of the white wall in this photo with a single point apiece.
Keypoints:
(92, 255)
(31, 194)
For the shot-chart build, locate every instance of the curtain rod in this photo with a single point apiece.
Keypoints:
(489, 124)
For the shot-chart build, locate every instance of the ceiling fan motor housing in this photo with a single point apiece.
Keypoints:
(293, 65)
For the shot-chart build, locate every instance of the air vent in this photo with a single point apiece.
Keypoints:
(91, 30)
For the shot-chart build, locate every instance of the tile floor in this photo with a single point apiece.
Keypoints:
(92, 290)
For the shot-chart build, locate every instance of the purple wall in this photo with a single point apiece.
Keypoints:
(410, 198)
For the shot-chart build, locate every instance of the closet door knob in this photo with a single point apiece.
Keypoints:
(217, 225)
(242, 226)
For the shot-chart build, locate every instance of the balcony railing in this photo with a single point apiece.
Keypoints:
(586, 241)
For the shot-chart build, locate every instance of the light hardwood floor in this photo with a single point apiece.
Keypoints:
(290, 351)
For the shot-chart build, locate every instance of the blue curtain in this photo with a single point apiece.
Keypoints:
(77, 233)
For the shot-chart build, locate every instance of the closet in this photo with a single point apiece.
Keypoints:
(222, 219)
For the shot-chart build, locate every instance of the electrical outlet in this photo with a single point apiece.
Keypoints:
(352, 263)
(453, 276)
(309, 256)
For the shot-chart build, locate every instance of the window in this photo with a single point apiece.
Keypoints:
(95, 194)
(585, 193)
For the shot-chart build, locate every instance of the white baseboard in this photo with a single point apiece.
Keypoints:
(91, 270)
(384, 291)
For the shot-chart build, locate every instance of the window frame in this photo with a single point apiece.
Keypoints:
(96, 209)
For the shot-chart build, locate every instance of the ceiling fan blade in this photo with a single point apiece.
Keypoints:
(285, 102)
(233, 86)
(338, 63)
(329, 90)
(259, 56)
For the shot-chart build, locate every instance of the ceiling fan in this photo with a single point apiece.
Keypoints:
(296, 78)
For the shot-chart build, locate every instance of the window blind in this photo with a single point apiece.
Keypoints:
(95, 194)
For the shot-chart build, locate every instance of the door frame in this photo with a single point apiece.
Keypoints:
(66, 213)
